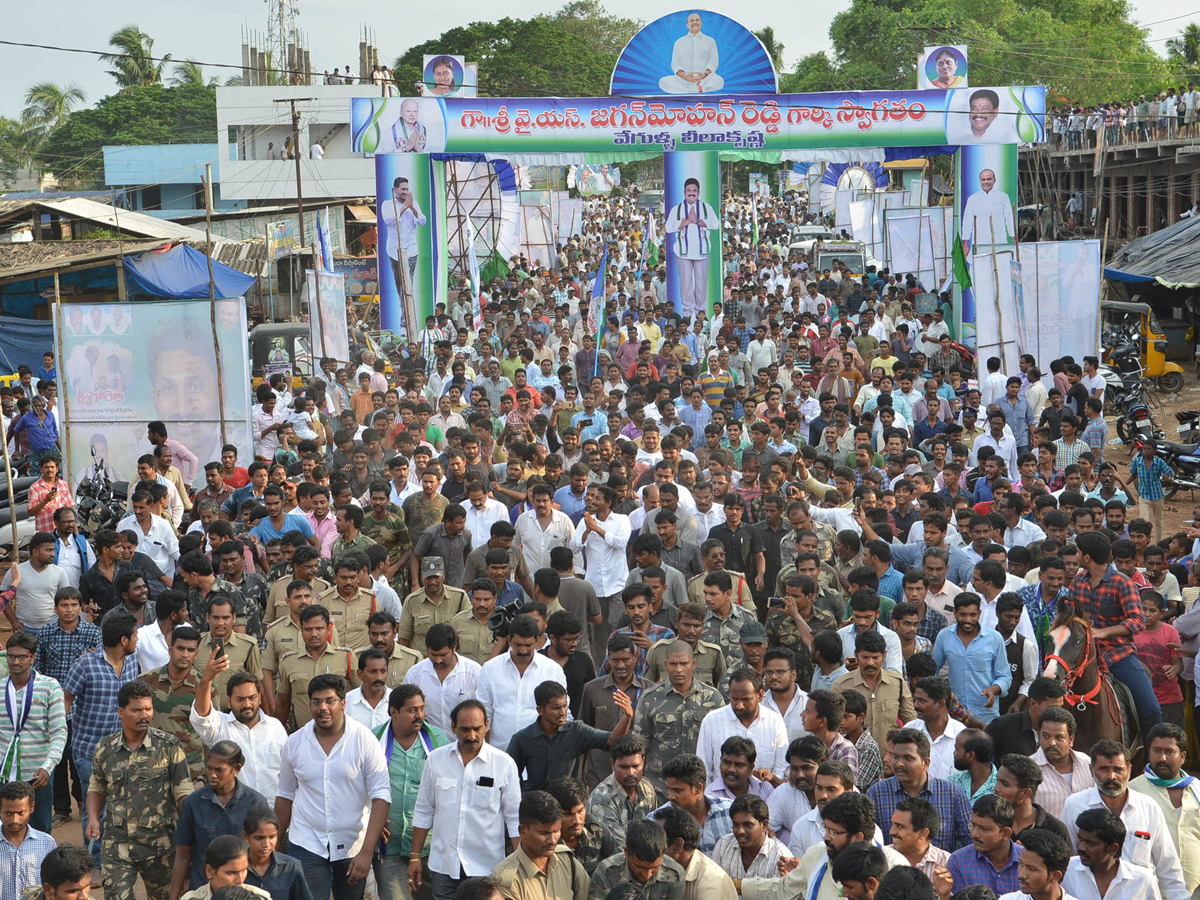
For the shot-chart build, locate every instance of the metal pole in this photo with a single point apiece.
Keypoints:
(212, 294)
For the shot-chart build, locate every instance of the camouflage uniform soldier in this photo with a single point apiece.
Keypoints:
(425, 509)
(241, 649)
(174, 687)
(624, 796)
(203, 586)
(385, 525)
(298, 668)
(668, 715)
(233, 571)
(139, 779)
(645, 838)
(588, 839)
(725, 619)
(783, 631)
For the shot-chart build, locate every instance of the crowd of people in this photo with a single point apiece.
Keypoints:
(776, 603)
(1167, 115)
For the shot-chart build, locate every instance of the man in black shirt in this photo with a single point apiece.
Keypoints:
(1077, 394)
(1017, 732)
(1052, 414)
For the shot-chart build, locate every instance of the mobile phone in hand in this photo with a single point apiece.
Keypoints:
(218, 648)
(775, 603)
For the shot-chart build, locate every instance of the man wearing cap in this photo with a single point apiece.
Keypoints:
(752, 639)
(433, 603)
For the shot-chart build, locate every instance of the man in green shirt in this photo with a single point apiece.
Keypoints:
(407, 740)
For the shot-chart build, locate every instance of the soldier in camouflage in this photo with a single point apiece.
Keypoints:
(669, 714)
(174, 687)
(724, 620)
(385, 525)
(139, 779)
(233, 570)
(204, 585)
(588, 839)
(643, 862)
(626, 795)
(794, 625)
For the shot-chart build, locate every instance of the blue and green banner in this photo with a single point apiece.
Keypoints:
(409, 236)
(692, 201)
(901, 118)
(986, 180)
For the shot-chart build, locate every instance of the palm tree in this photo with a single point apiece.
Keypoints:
(1184, 51)
(773, 46)
(189, 72)
(47, 106)
(134, 65)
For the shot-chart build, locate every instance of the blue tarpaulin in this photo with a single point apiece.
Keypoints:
(23, 341)
(1167, 257)
(181, 273)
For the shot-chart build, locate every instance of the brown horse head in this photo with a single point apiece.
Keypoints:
(1066, 641)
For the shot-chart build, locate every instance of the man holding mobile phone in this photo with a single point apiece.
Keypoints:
(222, 640)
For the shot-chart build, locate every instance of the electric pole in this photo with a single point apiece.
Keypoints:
(296, 152)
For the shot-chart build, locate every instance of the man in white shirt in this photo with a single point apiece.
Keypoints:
(1147, 842)
(367, 703)
(1065, 771)
(470, 795)
(745, 716)
(505, 685)
(445, 677)
(334, 794)
(988, 215)
(691, 225)
(1102, 839)
(541, 529)
(401, 217)
(482, 513)
(603, 536)
(72, 552)
(260, 736)
(694, 61)
(996, 438)
(930, 696)
(155, 537)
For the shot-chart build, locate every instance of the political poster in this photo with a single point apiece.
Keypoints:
(326, 302)
(943, 66)
(692, 199)
(446, 75)
(987, 179)
(407, 238)
(125, 364)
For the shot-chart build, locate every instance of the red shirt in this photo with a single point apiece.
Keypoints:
(239, 479)
(1152, 650)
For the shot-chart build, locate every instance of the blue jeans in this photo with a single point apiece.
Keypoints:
(444, 887)
(84, 765)
(1129, 671)
(391, 876)
(43, 807)
(325, 876)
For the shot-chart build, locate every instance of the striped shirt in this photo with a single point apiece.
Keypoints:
(1055, 789)
(43, 733)
(21, 867)
(728, 855)
(93, 683)
(1149, 478)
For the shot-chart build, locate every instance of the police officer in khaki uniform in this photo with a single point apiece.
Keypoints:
(306, 566)
(475, 640)
(241, 649)
(139, 778)
(299, 667)
(283, 635)
(348, 604)
(433, 603)
(689, 623)
(383, 637)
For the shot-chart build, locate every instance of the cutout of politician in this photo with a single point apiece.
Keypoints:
(694, 61)
(946, 64)
(402, 216)
(692, 222)
(990, 211)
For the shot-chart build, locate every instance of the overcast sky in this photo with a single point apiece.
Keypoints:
(211, 32)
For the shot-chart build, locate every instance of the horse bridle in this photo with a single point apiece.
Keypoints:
(1079, 701)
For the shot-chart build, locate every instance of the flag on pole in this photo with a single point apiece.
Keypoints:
(961, 273)
(754, 223)
(651, 245)
(476, 285)
(325, 240)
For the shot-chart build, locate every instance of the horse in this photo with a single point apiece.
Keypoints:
(1102, 707)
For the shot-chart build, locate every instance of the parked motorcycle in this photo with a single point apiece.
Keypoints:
(99, 503)
(1189, 425)
(1137, 424)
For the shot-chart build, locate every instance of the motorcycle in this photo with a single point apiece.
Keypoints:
(1137, 424)
(1189, 425)
(1183, 462)
(99, 503)
(1124, 380)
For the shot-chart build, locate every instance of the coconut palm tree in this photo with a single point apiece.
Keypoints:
(134, 65)
(773, 46)
(1184, 51)
(189, 72)
(47, 106)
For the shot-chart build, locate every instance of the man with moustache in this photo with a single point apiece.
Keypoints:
(1176, 793)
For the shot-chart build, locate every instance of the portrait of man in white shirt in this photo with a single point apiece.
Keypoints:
(694, 61)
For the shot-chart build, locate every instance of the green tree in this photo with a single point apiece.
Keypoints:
(153, 114)
(16, 141)
(773, 46)
(570, 53)
(133, 65)
(1183, 52)
(47, 106)
(1084, 50)
(189, 72)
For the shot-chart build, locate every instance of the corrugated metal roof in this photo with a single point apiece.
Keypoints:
(131, 223)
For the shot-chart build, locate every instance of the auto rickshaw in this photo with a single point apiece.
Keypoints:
(1138, 322)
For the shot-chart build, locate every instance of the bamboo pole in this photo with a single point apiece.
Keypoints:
(15, 554)
(996, 278)
(318, 352)
(64, 427)
(1099, 313)
(212, 296)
